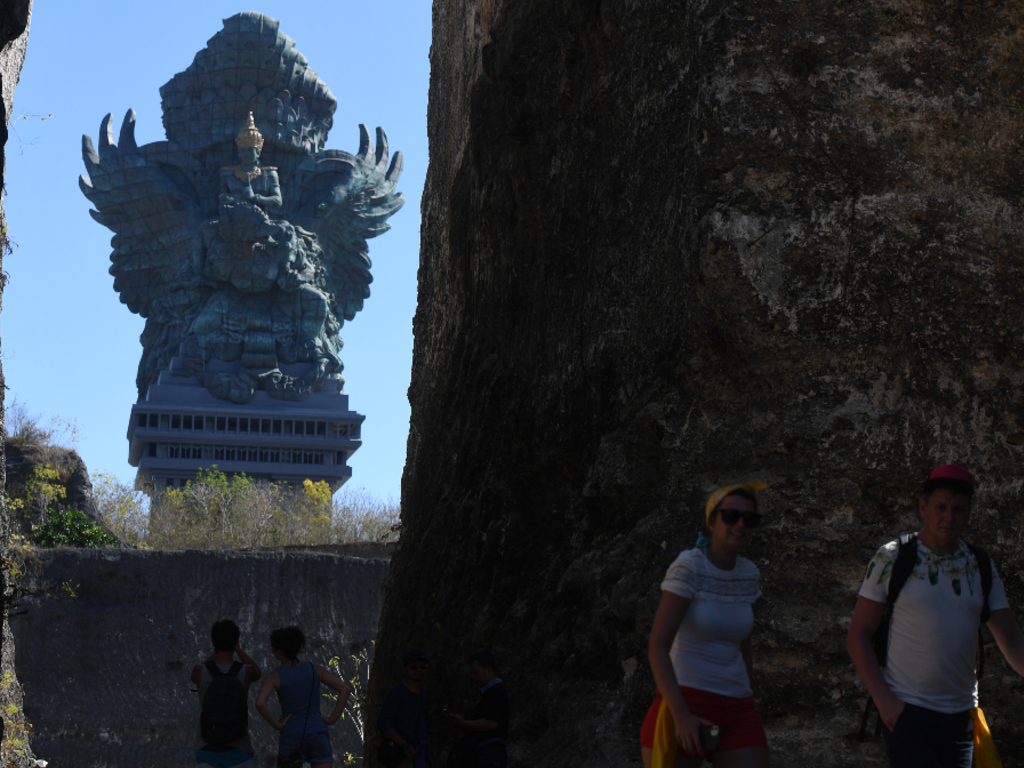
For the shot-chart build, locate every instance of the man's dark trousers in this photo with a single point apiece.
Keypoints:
(924, 738)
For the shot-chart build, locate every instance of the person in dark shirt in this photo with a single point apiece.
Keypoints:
(405, 715)
(488, 725)
(238, 752)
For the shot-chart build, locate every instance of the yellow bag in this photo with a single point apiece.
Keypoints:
(985, 753)
(665, 745)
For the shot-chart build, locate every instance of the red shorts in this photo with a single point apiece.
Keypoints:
(738, 719)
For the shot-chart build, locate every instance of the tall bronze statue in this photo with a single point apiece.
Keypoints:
(240, 239)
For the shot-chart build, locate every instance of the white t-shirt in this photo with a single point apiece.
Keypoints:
(933, 637)
(706, 652)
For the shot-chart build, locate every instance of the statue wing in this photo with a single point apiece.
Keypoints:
(144, 196)
(347, 199)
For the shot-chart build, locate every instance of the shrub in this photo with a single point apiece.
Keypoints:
(218, 512)
(73, 528)
(124, 509)
(20, 426)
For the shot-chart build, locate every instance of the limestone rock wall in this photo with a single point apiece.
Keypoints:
(15, 19)
(670, 244)
(107, 644)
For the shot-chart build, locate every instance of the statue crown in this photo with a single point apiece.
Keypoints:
(250, 135)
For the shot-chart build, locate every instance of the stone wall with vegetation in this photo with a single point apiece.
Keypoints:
(15, 731)
(113, 635)
(670, 244)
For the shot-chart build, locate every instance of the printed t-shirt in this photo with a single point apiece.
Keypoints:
(933, 636)
(706, 651)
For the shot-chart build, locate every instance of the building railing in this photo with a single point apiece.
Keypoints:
(247, 426)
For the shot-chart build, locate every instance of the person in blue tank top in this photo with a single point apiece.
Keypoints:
(303, 730)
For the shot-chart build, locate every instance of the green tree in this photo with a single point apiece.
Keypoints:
(44, 487)
(73, 528)
(219, 512)
(123, 508)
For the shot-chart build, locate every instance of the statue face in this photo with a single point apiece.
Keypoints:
(250, 155)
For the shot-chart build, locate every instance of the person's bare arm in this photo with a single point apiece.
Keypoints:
(197, 674)
(671, 612)
(253, 673)
(271, 682)
(866, 618)
(1009, 638)
(344, 690)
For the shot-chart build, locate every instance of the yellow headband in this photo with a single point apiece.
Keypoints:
(721, 493)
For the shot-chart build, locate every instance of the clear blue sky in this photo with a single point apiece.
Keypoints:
(70, 348)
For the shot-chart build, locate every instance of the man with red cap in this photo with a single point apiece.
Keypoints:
(928, 685)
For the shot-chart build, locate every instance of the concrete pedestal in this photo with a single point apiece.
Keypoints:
(180, 428)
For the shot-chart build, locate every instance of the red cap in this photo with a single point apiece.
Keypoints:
(952, 472)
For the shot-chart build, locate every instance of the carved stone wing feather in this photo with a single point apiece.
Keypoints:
(347, 199)
(144, 196)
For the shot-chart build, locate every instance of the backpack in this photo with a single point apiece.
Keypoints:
(225, 714)
(902, 567)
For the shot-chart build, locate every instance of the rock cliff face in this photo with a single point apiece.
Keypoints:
(669, 244)
(108, 642)
(15, 17)
(73, 478)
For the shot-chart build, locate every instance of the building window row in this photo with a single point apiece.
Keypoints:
(236, 453)
(235, 425)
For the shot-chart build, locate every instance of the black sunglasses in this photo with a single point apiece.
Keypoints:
(732, 516)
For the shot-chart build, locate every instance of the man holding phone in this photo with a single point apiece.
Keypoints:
(487, 728)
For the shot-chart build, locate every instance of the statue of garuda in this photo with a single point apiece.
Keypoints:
(245, 270)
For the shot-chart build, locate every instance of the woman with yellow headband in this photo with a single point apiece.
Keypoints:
(700, 647)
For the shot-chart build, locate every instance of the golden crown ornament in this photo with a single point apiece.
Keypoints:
(250, 135)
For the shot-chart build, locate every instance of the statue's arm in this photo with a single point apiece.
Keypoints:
(226, 193)
(273, 197)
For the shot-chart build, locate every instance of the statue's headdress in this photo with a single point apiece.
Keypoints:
(249, 65)
(250, 136)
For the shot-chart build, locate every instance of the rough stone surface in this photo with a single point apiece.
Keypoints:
(15, 19)
(667, 245)
(22, 460)
(113, 635)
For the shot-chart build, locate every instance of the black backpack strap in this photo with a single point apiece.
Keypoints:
(902, 567)
(985, 572)
(864, 718)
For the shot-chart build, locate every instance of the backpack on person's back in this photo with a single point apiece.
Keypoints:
(225, 714)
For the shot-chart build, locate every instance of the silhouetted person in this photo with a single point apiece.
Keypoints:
(487, 727)
(223, 684)
(405, 715)
(303, 730)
